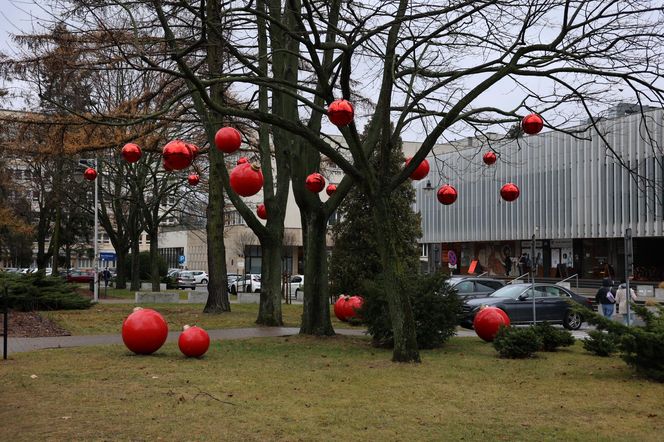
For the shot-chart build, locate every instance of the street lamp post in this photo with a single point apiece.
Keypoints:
(95, 261)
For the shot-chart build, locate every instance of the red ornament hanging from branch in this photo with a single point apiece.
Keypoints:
(341, 112)
(193, 179)
(421, 171)
(167, 166)
(509, 192)
(331, 189)
(489, 158)
(447, 194)
(195, 150)
(131, 152)
(177, 155)
(261, 211)
(246, 179)
(315, 182)
(532, 124)
(90, 174)
(228, 139)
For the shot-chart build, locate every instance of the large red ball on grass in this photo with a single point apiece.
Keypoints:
(144, 331)
(487, 322)
(194, 342)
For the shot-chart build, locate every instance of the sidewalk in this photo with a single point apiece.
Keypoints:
(21, 345)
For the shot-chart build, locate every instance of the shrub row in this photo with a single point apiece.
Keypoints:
(38, 292)
(523, 342)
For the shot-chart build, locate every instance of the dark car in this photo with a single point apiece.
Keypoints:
(552, 304)
(80, 276)
(469, 287)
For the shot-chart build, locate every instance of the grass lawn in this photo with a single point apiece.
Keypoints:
(107, 318)
(302, 388)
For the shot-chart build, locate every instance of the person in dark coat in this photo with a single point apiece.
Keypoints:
(605, 298)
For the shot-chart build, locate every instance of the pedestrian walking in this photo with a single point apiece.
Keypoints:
(605, 298)
(622, 300)
(508, 265)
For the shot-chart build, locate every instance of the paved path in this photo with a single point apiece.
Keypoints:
(19, 345)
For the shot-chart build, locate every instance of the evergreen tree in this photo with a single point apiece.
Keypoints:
(355, 258)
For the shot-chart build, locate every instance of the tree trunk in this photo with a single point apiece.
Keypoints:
(316, 310)
(67, 257)
(55, 239)
(217, 301)
(154, 261)
(269, 312)
(121, 278)
(135, 267)
(401, 312)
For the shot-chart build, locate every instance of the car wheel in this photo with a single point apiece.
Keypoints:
(204, 281)
(257, 291)
(572, 321)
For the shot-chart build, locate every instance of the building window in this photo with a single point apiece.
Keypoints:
(233, 218)
(425, 251)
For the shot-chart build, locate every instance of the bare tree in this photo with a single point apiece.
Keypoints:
(425, 67)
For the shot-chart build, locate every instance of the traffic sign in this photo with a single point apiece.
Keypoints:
(181, 259)
(107, 256)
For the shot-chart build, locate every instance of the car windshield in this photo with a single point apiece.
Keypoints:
(509, 291)
(186, 274)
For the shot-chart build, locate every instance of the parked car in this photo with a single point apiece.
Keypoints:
(80, 276)
(469, 287)
(251, 282)
(191, 278)
(552, 304)
(10, 270)
(296, 285)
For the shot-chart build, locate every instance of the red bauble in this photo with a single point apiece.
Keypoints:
(131, 152)
(242, 160)
(315, 182)
(509, 192)
(447, 194)
(489, 158)
(341, 112)
(340, 307)
(261, 211)
(228, 139)
(144, 331)
(487, 322)
(532, 124)
(90, 174)
(331, 189)
(346, 307)
(167, 166)
(246, 179)
(193, 179)
(194, 342)
(177, 155)
(194, 150)
(421, 171)
(353, 305)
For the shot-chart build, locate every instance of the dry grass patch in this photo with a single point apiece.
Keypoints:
(339, 388)
(107, 318)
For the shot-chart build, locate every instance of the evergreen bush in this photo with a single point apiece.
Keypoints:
(517, 342)
(435, 304)
(38, 292)
(553, 338)
(643, 347)
(601, 343)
